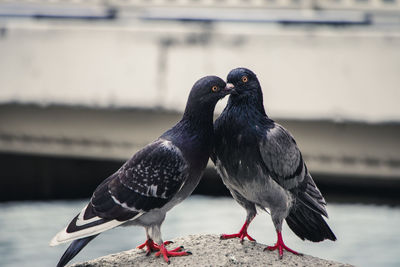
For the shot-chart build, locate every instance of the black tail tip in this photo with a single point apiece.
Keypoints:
(307, 224)
(73, 249)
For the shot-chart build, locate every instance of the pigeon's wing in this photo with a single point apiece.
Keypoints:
(282, 157)
(147, 181)
(285, 165)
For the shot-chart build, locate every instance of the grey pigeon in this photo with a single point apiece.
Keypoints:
(260, 163)
(154, 180)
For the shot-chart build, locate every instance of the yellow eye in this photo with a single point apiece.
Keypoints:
(214, 88)
(245, 79)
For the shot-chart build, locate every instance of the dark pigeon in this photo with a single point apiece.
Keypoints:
(262, 166)
(154, 180)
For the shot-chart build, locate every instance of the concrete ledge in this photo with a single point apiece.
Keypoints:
(209, 250)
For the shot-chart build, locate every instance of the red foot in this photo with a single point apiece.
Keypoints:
(280, 245)
(172, 253)
(151, 246)
(242, 234)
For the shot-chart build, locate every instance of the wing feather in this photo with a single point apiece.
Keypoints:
(282, 157)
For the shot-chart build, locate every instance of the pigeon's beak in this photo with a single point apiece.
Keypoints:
(230, 89)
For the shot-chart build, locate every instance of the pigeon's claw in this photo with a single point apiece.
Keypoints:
(280, 246)
(172, 253)
(151, 246)
(242, 234)
(225, 236)
(249, 237)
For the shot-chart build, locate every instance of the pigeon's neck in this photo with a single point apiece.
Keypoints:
(195, 128)
(193, 134)
(248, 102)
(199, 119)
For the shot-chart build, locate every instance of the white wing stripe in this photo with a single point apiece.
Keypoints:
(63, 236)
(81, 221)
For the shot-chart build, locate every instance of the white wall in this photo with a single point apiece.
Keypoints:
(310, 73)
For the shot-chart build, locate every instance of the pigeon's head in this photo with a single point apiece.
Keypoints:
(208, 90)
(244, 81)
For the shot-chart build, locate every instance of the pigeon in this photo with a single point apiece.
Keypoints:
(154, 180)
(262, 166)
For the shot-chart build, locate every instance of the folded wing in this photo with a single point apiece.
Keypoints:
(285, 164)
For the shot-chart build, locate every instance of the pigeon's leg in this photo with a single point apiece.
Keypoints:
(155, 233)
(251, 213)
(150, 245)
(242, 233)
(278, 213)
(280, 246)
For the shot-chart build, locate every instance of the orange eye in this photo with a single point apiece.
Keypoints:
(214, 88)
(245, 79)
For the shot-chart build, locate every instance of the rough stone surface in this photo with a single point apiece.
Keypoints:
(209, 250)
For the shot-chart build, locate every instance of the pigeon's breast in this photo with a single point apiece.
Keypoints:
(241, 167)
(238, 159)
(254, 183)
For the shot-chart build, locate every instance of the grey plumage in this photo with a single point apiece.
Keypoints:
(154, 180)
(261, 164)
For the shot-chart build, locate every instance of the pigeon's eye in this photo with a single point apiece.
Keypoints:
(215, 88)
(245, 79)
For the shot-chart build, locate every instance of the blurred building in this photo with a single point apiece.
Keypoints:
(97, 80)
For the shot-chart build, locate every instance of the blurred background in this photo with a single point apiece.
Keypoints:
(85, 84)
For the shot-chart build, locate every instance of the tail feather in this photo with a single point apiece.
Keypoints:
(308, 224)
(73, 249)
(311, 197)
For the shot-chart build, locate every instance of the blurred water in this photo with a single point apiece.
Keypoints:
(368, 235)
